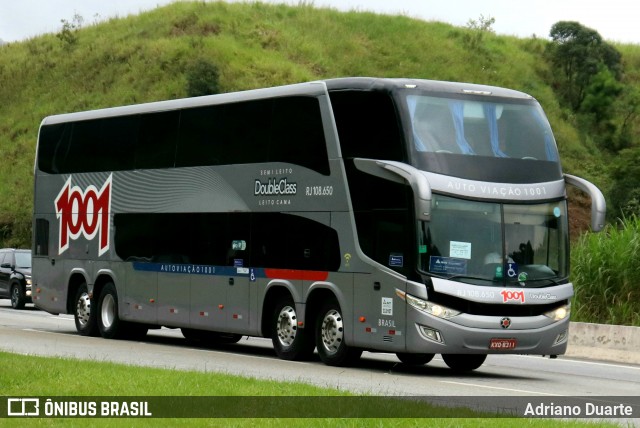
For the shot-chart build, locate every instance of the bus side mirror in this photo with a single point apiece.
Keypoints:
(402, 173)
(598, 203)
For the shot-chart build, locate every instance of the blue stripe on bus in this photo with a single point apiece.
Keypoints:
(195, 269)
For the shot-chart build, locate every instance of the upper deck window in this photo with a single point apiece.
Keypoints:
(508, 134)
(285, 129)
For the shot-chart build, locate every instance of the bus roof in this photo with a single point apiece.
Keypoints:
(310, 88)
(437, 86)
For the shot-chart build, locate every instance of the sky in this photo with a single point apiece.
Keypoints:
(614, 20)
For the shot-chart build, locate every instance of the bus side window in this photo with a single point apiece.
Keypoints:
(367, 125)
(156, 143)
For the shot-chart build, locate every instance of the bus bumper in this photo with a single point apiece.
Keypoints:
(535, 335)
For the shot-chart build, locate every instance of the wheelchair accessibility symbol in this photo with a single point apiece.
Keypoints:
(512, 270)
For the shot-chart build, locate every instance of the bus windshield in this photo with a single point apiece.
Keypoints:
(450, 134)
(495, 244)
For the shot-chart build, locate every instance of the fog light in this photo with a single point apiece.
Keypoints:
(431, 334)
(561, 337)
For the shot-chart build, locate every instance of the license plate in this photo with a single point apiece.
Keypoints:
(503, 344)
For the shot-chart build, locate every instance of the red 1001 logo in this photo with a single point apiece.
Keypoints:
(84, 213)
(508, 295)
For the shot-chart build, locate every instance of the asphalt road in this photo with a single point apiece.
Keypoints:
(34, 332)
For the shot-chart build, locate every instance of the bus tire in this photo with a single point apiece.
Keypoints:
(109, 322)
(84, 317)
(332, 349)
(17, 297)
(289, 341)
(414, 359)
(464, 362)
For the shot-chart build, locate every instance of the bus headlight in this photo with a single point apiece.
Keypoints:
(560, 313)
(427, 307)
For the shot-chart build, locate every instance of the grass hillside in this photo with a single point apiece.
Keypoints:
(144, 58)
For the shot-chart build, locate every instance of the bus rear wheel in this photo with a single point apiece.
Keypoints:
(332, 349)
(464, 362)
(107, 314)
(289, 341)
(83, 316)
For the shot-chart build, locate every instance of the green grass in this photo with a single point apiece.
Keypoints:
(606, 274)
(57, 377)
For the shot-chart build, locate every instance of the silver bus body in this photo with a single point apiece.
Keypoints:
(383, 237)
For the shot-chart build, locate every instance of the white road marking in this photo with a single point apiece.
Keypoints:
(523, 391)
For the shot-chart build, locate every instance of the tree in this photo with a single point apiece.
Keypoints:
(600, 95)
(625, 195)
(627, 110)
(578, 54)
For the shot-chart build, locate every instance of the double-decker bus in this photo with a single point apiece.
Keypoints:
(404, 216)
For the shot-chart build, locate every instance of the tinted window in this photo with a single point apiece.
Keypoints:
(261, 239)
(367, 125)
(384, 226)
(102, 145)
(109, 144)
(225, 134)
(201, 142)
(53, 144)
(297, 135)
(156, 143)
(292, 242)
(273, 130)
(286, 129)
(42, 237)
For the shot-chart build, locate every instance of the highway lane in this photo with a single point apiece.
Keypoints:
(34, 332)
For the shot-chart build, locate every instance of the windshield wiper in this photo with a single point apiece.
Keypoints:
(535, 280)
(469, 277)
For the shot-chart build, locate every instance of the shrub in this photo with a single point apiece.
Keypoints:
(606, 274)
(202, 79)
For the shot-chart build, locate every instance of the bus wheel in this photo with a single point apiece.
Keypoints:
(414, 359)
(84, 317)
(330, 337)
(464, 362)
(107, 316)
(289, 341)
(17, 297)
